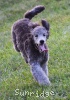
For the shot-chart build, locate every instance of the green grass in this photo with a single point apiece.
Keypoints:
(14, 72)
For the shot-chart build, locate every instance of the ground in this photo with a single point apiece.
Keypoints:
(15, 76)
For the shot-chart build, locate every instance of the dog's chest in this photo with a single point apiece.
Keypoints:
(40, 57)
(35, 55)
(43, 57)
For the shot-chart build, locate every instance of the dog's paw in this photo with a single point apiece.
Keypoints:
(45, 82)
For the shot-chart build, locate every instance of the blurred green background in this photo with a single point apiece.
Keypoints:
(14, 72)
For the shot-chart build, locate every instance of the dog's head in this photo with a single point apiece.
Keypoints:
(40, 35)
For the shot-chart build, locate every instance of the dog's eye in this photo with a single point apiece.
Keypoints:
(44, 35)
(36, 35)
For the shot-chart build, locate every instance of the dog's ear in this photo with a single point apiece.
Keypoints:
(45, 24)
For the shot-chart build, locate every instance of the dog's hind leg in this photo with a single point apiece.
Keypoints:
(39, 74)
(14, 41)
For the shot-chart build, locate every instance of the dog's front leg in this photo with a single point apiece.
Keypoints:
(39, 74)
(45, 68)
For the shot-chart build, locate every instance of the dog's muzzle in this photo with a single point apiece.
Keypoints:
(42, 48)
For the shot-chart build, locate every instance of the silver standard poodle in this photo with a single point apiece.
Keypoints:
(30, 40)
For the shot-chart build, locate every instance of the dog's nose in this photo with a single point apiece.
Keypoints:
(41, 41)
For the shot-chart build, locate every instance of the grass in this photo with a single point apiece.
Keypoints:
(15, 73)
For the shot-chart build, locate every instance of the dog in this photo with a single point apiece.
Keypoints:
(29, 39)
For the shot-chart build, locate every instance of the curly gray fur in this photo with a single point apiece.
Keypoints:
(24, 43)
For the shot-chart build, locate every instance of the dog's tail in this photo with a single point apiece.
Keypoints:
(34, 11)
